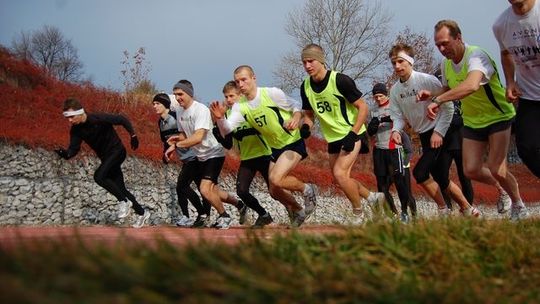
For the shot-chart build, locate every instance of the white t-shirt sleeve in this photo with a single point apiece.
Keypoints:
(499, 27)
(479, 61)
(202, 118)
(283, 101)
(232, 122)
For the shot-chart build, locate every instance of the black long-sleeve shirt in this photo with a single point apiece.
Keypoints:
(98, 132)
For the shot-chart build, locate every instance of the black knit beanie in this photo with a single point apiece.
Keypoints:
(379, 88)
(163, 99)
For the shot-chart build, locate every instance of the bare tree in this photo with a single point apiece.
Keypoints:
(135, 75)
(354, 34)
(50, 49)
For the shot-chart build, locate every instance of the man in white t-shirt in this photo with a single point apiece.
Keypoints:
(195, 125)
(432, 169)
(518, 32)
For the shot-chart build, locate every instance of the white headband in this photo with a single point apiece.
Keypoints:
(406, 57)
(73, 113)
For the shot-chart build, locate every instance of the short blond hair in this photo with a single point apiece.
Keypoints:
(244, 68)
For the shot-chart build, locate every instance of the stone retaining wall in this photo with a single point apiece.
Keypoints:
(38, 188)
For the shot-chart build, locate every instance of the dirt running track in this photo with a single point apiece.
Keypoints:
(12, 236)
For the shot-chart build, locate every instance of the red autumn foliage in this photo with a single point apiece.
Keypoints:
(30, 114)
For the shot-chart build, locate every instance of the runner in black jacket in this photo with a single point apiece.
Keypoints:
(96, 129)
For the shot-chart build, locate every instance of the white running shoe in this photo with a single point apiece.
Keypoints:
(357, 220)
(504, 203)
(124, 208)
(444, 212)
(141, 219)
(472, 212)
(377, 199)
(185, 221)
(518, 213)
(310, 199)
(223, 222)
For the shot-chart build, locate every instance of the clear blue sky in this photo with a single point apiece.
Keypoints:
(204, 40)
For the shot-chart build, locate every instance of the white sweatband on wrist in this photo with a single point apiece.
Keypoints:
(73, 113)
(406, 57)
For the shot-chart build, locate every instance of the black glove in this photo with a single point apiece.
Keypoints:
(349, 141)
(304, 131)
(386, 119)
(364, 143)
(62, 153)
(373, 126)
(239, 134)
(134, 142)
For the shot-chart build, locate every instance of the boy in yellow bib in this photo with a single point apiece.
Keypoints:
(276, 117)
(335, 101)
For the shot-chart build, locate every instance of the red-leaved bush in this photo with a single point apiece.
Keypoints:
(31, 114)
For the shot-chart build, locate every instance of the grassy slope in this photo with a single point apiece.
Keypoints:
(30, 114)
(436, 262)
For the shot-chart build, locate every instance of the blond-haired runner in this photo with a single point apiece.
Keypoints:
(255, 154)
(276, 116)
(334, 100)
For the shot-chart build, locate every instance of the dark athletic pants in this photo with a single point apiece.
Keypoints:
(454, 140)
(246, 173)
(109, 176)
(433, 161)
(527, 126)
(388, 168)
(190, 172)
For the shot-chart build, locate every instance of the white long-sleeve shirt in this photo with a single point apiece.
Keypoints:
(404, 106)
(236, 118)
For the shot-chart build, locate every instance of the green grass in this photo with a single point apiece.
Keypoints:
(457, 261)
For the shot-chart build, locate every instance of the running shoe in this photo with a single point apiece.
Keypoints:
(263, 220)
(310, 199)
(202, 221)
(124, 208)
(518, 213)
(405, 218)
(141, 219)
(444, 212)
(243, 212)
(376, 200)
(222, 222)
(185, 221)
(504, 203)
(472, 212)
(298, 218)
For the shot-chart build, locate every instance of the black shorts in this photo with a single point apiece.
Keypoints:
(211, 168)
(298, 146)
(335, 146)
(387, 162)
(482, 134)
